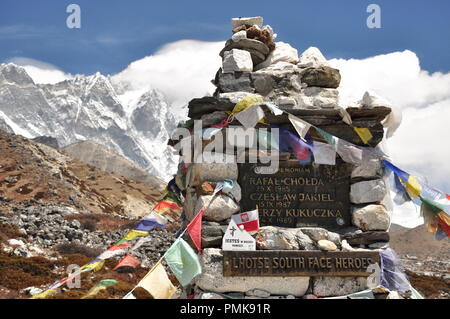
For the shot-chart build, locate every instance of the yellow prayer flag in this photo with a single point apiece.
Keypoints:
(45, 294)
(157, 283)
(364, 134)
(413, 187)
(133, 234)
(95, 266)
(246, 102)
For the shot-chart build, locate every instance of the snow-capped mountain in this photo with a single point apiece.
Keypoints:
(134, 124)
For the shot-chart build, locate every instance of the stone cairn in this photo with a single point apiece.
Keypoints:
(305, 86)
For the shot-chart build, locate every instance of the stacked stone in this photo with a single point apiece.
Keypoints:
(306, 86)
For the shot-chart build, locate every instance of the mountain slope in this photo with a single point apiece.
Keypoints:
(106, 160)
(418, 242)
(90, 108)
(33, 173)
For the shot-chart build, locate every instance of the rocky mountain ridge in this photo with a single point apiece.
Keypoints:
(135, 125)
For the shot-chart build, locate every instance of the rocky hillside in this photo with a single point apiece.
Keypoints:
(106, 160)
(56, 211)
(418, 242)
(135, 125)
(35, 173)
(425, 260)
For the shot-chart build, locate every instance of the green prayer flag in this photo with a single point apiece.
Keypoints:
(432, 206)
(183, 261)
(327, 136)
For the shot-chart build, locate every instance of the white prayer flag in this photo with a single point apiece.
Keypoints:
(251, 116)
(324, 154)
(348, 152)
(273, 108)
(300, 126)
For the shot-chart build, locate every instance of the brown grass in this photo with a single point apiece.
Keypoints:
(8, 231)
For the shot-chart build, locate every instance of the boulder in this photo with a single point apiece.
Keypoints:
(304, 242)
(212, 172)
(371, 100)
(209, 295)
(208, 104)
(346, 246)
(322, 76)
(316, 98)
(239, 36)
(235, 97)
(263, 83)
(366, 238)
(315, 233)
(250, 45)
(337, 286)
(234, 82)
(237, 60)
(368, 169)
(371, 217)
(283, 53)
(213, 118)
(258, 293)
(212, 279)
(272, 238)
(368, 192)
(312, 57)
(326, 245)
(248, 21)
(218, 208)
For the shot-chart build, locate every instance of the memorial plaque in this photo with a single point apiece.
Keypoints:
(298, 195)
(291, 263)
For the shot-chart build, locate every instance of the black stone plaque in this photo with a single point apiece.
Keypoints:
(287, 263)
(298, 195)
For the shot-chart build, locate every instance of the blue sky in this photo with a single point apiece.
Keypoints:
(115, 33)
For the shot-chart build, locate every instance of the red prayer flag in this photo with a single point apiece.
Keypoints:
(444, 226)
(128, 261)
(448, 196)
(195, 230)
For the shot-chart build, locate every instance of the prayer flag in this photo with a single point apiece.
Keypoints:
(114, 250)
(288, 141)
(129, 296)
(273, 108)
(151, 221)
(364, 134)
(183, 261)
(128, 261)
(300, 126)
(413, 187)
(250, 117)
(324, 154)
(102, 285)
(157, 283)
(326, 136)
(247, 102)
(195, 230)
(94, 265)
(45, 294)
(133, 234)
(349, 152)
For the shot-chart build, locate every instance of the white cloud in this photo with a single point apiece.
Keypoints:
(41, 72)
(181, 70)
(419, 146)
